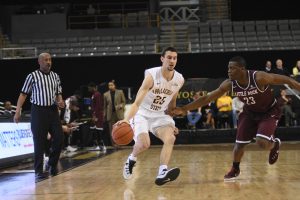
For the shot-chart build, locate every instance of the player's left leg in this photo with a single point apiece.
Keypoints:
(265, 138)
(166, 135)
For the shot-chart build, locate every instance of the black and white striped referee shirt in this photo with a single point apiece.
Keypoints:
(43, 87)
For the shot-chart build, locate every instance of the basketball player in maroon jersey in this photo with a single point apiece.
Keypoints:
(260, 113)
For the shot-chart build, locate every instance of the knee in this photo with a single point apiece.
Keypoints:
(170, 139)
(143, 145)
(239, 147)
(262, 143)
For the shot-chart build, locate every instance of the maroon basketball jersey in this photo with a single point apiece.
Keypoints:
(254, 99)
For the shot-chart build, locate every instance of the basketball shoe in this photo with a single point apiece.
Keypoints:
(232, 174)
(127, 170)
(167, 176)
(274, 153)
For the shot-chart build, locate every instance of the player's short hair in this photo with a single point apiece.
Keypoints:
(240, 60)
(172, 49)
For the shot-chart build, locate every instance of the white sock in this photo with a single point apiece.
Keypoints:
(161, 168)
(131, 157)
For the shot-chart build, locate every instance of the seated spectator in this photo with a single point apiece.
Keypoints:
(7, 109)
(70, 115)
(296, 71)
(210, 112)
(224, 116)
(268, 67)
(91, 10)
(194, 116)
(237, 108)
(285, 104)
(280, 69)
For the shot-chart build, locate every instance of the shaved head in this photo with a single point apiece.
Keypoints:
(42, 55)
(45, 62)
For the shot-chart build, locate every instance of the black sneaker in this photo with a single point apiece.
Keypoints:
(167, 176)
(274, 153)
(127, 170)
(41, 176)
(53, 171)
(232, 174)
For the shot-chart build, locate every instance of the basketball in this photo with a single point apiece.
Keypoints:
(122, 134)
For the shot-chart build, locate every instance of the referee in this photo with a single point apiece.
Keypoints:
(46, 96)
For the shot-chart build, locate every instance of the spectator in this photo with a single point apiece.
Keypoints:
(114, 106)
(237, 108)
(210, 111)
(7, 109)
(91, 10)
(194, 116)
(70, 116)
(268, 67)
(285, 103)
(296, 71)
(224, 105)
(97, 116)
(280, 69)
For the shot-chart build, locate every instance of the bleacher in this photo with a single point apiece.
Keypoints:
(226, 35)
(95, 45)
(188, 32)
(211, 36)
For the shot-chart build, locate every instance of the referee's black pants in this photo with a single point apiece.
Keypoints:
(45, 119)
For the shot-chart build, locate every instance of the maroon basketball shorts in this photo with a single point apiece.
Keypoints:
(251, 125)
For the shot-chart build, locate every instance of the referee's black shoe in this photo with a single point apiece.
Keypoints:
(53, 171)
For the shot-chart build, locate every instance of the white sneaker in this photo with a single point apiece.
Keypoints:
(71, 149)
(45, 163)
(127, 170)
(103, 149)
(167, 176)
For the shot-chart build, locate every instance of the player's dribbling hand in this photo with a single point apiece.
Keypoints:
(121, 121)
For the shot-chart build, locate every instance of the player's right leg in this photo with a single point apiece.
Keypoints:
(142, 143)
(246, 130)
(238, 152)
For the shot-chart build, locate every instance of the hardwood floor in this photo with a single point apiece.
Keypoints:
(202, 170)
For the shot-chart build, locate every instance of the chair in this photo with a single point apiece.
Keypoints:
(115, 20)
(294, 24)
(238, 26)
(272, 25)
(60, 40)
(132, 19)
(143, 19)
(249, 26)
(261, 26)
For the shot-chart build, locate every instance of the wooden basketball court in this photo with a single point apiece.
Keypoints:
(202, 170)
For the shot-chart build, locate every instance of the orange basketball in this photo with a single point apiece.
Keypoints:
(122, 134)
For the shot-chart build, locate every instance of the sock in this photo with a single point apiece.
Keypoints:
(131, 157)
(161, 168)
(236, 165)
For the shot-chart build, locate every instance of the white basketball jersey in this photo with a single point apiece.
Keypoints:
(158, 98)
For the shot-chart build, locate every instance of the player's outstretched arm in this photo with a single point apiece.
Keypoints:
(263, 78)
(204, 100)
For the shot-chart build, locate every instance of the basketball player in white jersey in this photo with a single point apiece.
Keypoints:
(157, 94)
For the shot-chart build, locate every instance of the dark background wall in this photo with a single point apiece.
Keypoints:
(263, 9)
(128, 71)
